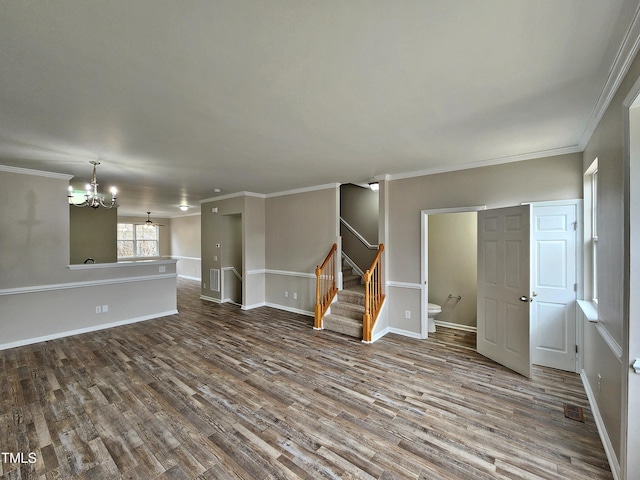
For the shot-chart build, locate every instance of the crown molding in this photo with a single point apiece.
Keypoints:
(272, 195)
(314, 188)
(625, 56)
(37, 173)
(487, 163)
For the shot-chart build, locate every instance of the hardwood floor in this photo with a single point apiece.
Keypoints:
(217, 392)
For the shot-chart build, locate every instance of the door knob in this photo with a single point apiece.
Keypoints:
(526, 299)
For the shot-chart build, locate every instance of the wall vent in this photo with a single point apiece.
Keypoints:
(214, 279)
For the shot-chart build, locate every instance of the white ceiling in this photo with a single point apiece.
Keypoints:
(176, 98)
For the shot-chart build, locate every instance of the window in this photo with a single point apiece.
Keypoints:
(591, 230)
(138, 240)
(594, 232)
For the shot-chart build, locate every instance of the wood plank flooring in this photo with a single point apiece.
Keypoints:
(217, 392)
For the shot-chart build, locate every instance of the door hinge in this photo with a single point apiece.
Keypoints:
(575, 225)
(576, 348)
(575, 287)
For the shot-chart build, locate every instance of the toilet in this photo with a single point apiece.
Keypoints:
(432, 311)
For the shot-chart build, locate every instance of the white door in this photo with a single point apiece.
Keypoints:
(553, 315)
(504, 287)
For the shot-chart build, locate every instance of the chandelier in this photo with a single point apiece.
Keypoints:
(91, 197)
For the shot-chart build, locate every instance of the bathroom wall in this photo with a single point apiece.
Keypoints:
(452, 261)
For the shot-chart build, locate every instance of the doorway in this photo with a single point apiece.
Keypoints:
(554, 265)
(453, 264)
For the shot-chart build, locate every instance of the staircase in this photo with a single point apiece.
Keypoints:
(347, 312)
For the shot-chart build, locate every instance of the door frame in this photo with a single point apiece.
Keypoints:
(424, 261)
(579, 204)
(424, 258)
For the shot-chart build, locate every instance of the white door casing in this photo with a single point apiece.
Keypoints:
(504, 292)
(554, 283)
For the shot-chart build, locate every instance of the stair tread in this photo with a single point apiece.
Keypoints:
(341, 319)
(348, 306)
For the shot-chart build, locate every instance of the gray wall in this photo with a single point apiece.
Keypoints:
(300, 230)
(41, 297)
(93, 234)
(552, 178)
(607, 144)
(359, 208)
(185, 240)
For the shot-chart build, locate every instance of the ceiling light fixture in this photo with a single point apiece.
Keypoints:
(374, 186)
(184, 208)
(91, 197)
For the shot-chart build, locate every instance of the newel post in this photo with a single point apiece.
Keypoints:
(317, 323)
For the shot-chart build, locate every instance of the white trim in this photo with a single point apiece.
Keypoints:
(437, 211)
(412, 286)
(232, 195)
(303, 190)
(624, 58)
(488, 162)
(255, 305)
(456, 326)
(589, 310)
(210, 299)
(86, 284)
(290, 309)
(233, 270)
(424, 257)
(271, 195)
(79, 331)
(610, 341)
(357, 235)
(352, 264)
(379, 335)
(404, 333)
(126, 263)
(289, 273)
(178, 257)
(602, 429)
(37, 173)
(259, 271)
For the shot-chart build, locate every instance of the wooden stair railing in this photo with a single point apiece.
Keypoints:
(326, 287)
(373, 296)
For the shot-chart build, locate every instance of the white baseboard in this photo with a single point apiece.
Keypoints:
(94, 328)
(602, 430)
(456, 326)
(404, 333)
(255, 305)
(210, 299)
(290, 309)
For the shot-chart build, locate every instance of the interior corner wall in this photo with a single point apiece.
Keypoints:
(550, 178)
(214, 235)
(300, 230)
(359, 208)
(185, 245)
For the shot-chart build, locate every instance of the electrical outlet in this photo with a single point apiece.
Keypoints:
(98, 309)
(215, 258)
(105, 308)
(599, 382)
(286, 294)
(295, 296)
(407, 314)
(163, 269)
